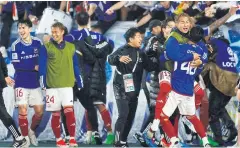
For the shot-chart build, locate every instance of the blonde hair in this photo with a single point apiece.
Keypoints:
(177, 17)
(191, 20)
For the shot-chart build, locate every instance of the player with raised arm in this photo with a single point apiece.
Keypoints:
(58, 67)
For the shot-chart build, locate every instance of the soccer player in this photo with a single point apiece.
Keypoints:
(58, 68)
(94, 91)
(182, 80)
(25, 52)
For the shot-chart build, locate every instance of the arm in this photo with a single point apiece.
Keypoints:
(63, 5)
(8, 80)
(77, 71)
(92, 8)
(115, 7)
(163, 57)
(113, 59)
(4, 66)
(81, 47)
(173, 51)
(42, 66)
(102, 49)
(149, 64)
(222, 20)
(144, 20)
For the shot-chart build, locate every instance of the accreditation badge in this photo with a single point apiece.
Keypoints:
(128, 82)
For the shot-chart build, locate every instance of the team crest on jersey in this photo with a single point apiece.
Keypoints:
(35, 50)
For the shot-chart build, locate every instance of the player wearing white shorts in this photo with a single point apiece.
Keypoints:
(188, 61)
(58, 70)
(27, 87)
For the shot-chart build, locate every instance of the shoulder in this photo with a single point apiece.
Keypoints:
(37, 40)
(15, 43)
(70, 45)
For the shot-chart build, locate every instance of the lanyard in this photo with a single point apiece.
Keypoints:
(134, 68)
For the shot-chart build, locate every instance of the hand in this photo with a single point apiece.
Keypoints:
(125, 59)
(196, 63)
(196, 56)
(9, 81)
(233, 10)
(210, 49)
(185, 6)
(109, 11)
(33, 19)
(36, 67)
(46, 38)
(209, 12)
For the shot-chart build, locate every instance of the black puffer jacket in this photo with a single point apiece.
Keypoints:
(98, 76)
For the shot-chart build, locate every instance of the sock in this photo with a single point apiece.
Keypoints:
(176, 124)
(70, 118)
(167, 126)
(88, 123)
(16, 134)
(23, 124)
(199, 94)
(165, 88)
(197, 125)
(205, 141)
(36, 119)
(106, 119)
(56, 124)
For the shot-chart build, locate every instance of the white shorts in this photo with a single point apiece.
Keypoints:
(164, 77)
(185, 104)
(58, 97)
(29, 96)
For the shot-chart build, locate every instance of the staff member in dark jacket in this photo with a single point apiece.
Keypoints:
(4, 115)
(129, 62)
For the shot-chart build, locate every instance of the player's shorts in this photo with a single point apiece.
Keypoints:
(56, 98)
(29, 96)
(101, 99)
(164, 77)
(185, 104)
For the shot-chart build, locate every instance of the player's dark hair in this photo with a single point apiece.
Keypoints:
(27, 22)
(82, 18)
(131, 33)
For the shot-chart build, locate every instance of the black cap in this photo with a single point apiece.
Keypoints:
(196, 34)
(154, 23)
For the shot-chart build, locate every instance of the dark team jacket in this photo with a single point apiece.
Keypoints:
(3, 72)
(144, 62)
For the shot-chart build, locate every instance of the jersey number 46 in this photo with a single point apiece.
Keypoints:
(189, 69)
